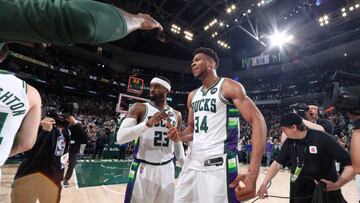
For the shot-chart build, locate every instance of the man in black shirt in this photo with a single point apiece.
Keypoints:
(312, 155)
(78, 137)
(40, 174)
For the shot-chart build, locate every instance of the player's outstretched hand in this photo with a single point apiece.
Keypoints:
(247, 191)
(149, 23)
(173, 133)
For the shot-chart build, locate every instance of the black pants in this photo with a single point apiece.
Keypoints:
(72, 163)
(122, 151)
(98, 150)
(307, 196)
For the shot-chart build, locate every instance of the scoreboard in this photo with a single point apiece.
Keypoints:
(135, 85)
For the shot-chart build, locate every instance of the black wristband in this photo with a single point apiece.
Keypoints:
(356, 124)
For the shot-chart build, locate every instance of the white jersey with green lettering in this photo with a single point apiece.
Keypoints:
(215, 128)
(154, 145)
(14, 105)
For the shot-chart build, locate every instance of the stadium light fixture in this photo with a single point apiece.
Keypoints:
(279, 39)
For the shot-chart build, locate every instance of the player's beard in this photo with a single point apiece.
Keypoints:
(200, 75)
(156, 97)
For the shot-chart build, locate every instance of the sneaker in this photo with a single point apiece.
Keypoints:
(66, 183)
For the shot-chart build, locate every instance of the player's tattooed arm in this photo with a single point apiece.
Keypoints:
(136, 111)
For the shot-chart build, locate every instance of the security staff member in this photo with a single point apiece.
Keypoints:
(40, 174)
(78, 137)
(312, 156)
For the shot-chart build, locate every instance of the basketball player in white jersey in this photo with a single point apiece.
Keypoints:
(20, 111)
(210, 171)
(152, 173)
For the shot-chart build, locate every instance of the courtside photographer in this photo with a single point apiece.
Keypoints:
(40, 174)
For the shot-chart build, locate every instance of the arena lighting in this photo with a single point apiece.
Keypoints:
(214, 34)
(249, 10)
(344, 14)
(324, 20)
(221, 24)
(230, 9)
(279, 39)
(175, 29)
(223, 44)
(212, 23)
(188, 35)
(343, 9)
(357, 6)
(351, 8)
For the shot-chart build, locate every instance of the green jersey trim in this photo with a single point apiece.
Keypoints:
(212, 86)
(4, 72)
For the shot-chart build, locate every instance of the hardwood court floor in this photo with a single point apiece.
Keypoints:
(116, 193)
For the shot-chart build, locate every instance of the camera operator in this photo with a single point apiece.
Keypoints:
(312, 114)
(355, 142)
(78, 137)
(40, 174)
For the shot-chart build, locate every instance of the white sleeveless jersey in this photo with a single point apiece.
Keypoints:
(14, 105)
(153, 145)
(216, 122)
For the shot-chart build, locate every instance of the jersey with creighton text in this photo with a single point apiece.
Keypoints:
(14, 105)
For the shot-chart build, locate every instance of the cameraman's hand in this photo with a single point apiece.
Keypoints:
(47, 123)
(156, 118)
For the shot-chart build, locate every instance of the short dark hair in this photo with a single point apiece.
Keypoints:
(208, 52)
(301, 127)
(164, 78)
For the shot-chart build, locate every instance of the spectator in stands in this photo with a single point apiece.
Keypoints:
(101, 141)
(268, 151)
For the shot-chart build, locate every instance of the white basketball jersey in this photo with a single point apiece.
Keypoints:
(154, 145)
(215, 131)
(14, 105)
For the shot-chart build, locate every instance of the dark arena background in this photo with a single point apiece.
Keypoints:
(284, 52)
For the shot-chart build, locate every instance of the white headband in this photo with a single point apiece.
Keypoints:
(161, 82)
